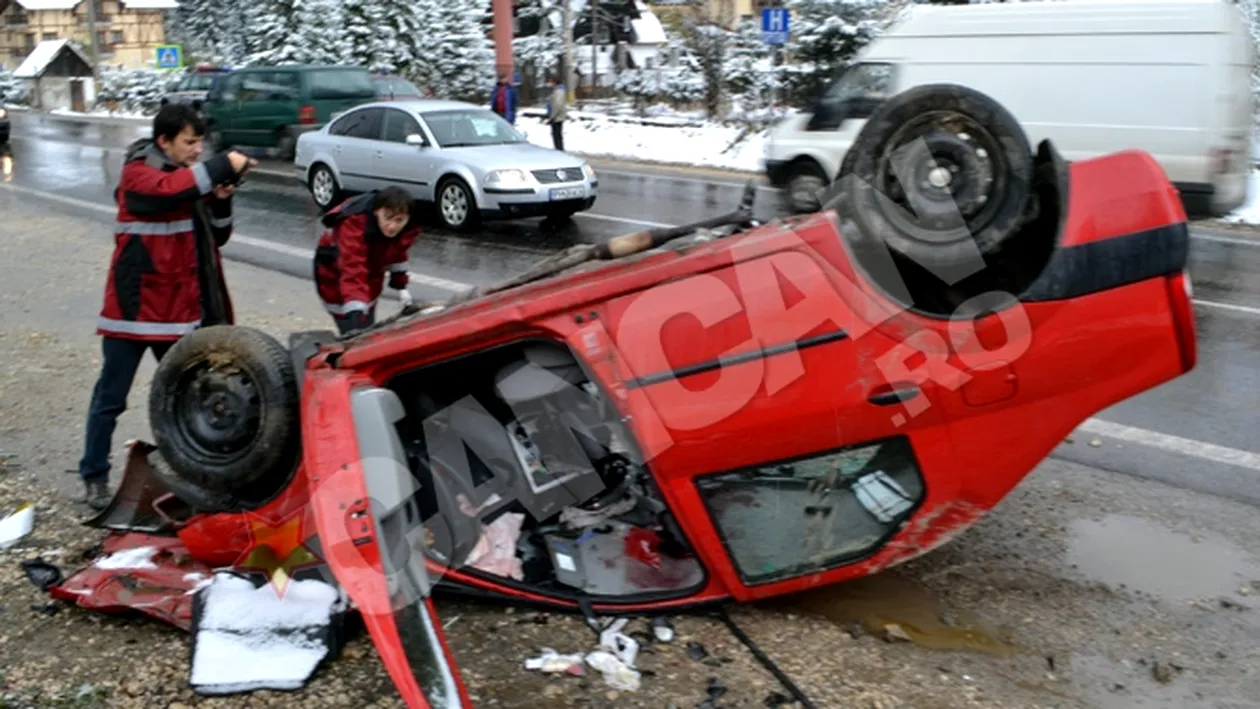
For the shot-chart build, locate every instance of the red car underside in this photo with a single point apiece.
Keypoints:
(750, 369)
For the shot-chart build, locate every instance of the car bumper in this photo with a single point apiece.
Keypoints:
(4, 130)
(539, 200)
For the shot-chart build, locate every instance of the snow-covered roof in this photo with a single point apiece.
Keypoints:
(648, 29)
(36, 63)
(48, 4)
(38, 5)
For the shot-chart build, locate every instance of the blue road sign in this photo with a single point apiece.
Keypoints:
(169, 56)
(775, 25)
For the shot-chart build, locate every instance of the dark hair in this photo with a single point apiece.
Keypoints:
(394, 199)
(174, 118)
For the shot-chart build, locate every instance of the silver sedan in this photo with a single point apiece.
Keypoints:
(466, 159)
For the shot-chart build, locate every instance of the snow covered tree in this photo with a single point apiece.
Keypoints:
(403, 27)
(541, 52)
(213, 30)
(371, 41)
(708, 44)
(321, 24)
(749, 72)
(296, 32)
(827, 33)
(459, 56)
(10, 90)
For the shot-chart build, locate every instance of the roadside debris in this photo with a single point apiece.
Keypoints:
(17, 525)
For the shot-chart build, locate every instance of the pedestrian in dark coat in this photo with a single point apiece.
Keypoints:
(366, 237)
(503, 99)
(165, 277)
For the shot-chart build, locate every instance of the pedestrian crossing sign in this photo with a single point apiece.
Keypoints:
(170, 56)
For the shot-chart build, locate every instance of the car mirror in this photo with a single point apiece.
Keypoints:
(417, 140)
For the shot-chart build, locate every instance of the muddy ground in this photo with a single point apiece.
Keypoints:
(1082, 589)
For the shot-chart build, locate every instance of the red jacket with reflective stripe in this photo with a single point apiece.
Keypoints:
(155, 288)
(353, 256)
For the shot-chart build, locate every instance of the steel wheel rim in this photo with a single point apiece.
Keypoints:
(454, 204)
(323, 186)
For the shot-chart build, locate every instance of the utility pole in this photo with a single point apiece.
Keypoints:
(594, 46)
(96, 50)
(568, 49)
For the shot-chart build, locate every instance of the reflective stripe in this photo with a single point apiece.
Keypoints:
(202, 176)
(181, 226)
(342, 309)
(223, 223)
(132, 327)
(398, 267)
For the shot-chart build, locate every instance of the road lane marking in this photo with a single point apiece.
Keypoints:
(1173, 444)
(1163, 441)
(1236, 241)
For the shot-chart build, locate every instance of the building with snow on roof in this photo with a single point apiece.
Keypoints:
(127, 31)
(57, 76)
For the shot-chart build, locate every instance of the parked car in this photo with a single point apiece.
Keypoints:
(395, 88)
(5, 125)
(195, 85)
(464, 158)
(270, 106)
(1171, 78)
(645, 425)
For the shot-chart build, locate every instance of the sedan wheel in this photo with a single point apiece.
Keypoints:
(324, 187)
(456, 205)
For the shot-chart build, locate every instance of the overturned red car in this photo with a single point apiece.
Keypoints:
(723, 411)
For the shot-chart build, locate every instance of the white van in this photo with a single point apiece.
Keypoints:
(1171, 77)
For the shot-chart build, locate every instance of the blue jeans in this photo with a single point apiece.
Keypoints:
(120, 360)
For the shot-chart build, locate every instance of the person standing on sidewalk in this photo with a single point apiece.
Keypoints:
(366, 236)
(165, 276)
(503, 98)
(557, 112)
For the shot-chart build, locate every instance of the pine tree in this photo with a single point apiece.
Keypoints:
(321, 27)
(827, 33)
(541, 52)
(748, 67)
(274, 34)
(401, 23)
(462, 57)
(213, 30)
(371, 42)
(10, 90)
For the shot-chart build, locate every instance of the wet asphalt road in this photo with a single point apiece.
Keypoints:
(1189, 432)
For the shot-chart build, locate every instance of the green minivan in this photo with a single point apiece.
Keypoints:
(270, 106)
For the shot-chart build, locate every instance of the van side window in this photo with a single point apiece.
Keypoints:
(853, 96)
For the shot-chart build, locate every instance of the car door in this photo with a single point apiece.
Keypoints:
(223, 105)
(356, 141)
(266, 105)
(790, 430)
(364, 502)
(407, 166)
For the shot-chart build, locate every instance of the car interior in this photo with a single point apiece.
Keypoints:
(525, 474)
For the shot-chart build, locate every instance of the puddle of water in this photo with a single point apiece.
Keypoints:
(1144, 556)
(875, 602)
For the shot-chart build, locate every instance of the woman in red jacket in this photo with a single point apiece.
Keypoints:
(367, 236)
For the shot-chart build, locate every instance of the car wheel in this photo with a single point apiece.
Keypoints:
(324, 187)
(938, 173)
(215, 139)
(224, 411)
(286, 145)
(806, 182)
(455, 205)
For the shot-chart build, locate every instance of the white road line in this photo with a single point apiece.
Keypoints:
(1173, 444)
(624, 220)
(1228, 306)
(1227, 240)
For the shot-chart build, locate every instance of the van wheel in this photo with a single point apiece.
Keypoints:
(806, 182)
(286, 145)
(224, 413)
(937, 173)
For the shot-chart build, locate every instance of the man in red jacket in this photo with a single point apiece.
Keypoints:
(367, 235)
(165, 277)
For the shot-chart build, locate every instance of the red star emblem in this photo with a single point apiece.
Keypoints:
(276, 550)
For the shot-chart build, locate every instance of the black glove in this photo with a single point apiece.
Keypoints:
(398, 280)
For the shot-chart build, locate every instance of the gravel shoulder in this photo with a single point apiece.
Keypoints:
(1082, 589)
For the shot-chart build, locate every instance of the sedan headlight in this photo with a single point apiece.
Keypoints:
(3, 114)
(507, 177)
(588, 171)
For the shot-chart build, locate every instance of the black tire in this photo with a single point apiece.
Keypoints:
(286, 144)
(804, 185)
(224, 410)
(448, 216)
(990, 188)
(333, 196)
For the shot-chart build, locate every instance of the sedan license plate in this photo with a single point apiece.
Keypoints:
(568, 193)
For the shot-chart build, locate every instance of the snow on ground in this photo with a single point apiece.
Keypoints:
(1249, 213)
(685, 142)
